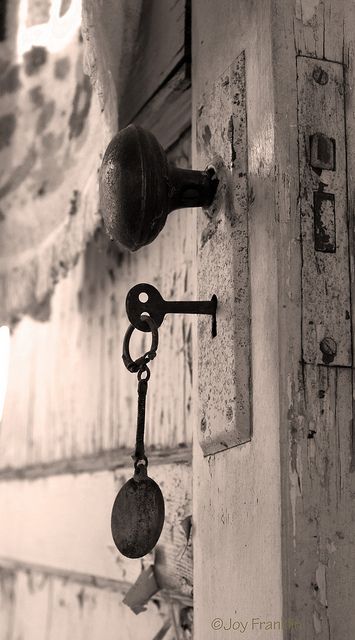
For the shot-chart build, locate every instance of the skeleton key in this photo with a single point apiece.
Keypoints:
(156, 307)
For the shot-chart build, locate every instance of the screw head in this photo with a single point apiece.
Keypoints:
(320, 76)
(328, 347)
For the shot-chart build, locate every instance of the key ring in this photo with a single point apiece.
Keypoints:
(134, 366)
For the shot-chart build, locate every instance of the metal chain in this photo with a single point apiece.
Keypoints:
(139, 454)
(134, 366)
(140, 367)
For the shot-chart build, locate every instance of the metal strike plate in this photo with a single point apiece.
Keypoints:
(326, 330)
(222, 229)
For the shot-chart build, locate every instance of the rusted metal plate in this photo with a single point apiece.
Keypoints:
(326, 333)
(224, 360)
(324, 222)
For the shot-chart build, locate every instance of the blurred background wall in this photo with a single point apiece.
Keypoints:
(69, 75)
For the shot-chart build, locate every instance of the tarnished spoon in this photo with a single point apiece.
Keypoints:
(137, 515)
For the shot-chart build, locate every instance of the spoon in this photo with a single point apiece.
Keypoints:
(137, 515)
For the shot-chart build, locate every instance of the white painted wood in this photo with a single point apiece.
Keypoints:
(32, 607)
(49, 607)
(7, 602)
(86, 613)
(237, 492)
(63, 522)
(223, 268)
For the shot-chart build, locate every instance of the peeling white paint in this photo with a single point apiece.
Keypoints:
(294, 494)
(317, 624)
(261, 159)
(322, 584)
(331, 547)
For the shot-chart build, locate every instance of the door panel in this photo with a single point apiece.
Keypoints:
(237, 491)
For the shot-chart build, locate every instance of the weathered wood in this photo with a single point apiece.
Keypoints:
(160, 47)
(318, 28)
(50, 607)
(168, 113)
(320, 494)
(32, 601)
(7, 602)
(110, 459)
(324, 223)
(77, 399)
(9, 568)
(237, 491)
(156, 79)
(308, 568)
(349, 73)
(84, 613)
(318, 565)
(68, 526)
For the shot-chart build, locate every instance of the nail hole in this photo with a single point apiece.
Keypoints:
(143, 297)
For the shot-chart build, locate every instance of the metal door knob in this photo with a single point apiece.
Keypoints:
(138, 188)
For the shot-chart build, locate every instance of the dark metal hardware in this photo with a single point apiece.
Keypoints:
(134, 366)
(322, 152)
(324, 222)
(138, 188)
(328, 347)
(137, 516)
(156, 307)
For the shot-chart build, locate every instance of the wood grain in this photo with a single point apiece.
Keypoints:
(316, 403)
(49, 607)
(280, 508)
(237, 491)
(67, 526)
(323, 537)
(168, 114)
(7, 602)
(160, 47)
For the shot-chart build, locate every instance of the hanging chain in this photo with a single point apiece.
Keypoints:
(139, 454)
(140, 367)
(134, 366)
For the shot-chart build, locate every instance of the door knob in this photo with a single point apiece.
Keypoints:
(138, 188)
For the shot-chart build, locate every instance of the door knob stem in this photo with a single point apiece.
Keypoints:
(190, 188)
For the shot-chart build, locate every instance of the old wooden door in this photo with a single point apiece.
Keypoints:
(269, 397)
(273, 483)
